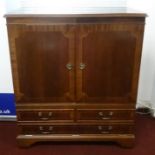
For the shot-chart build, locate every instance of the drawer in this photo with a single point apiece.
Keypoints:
(102, 114)
(48, 129)
(46, 115)
(77, 129)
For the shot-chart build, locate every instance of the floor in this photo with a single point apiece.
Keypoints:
(145, 143)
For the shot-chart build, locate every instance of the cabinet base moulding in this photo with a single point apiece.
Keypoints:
(124, 140)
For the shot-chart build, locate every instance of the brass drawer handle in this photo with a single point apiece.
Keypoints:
(82, 66)
(105, 118)
(101, 127)
(69, 66)
(45, 132)
(41, 128)
(50, 128)
(44, 118)
(105, 130)
(101, 114)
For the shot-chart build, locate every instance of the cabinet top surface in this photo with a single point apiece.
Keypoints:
(76, 12)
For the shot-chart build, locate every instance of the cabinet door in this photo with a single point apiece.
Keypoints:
(108, 58)
(42, 58)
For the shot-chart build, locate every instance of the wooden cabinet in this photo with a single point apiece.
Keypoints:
(75, 75)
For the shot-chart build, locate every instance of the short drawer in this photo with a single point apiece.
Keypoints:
(77, 129)
(107, 129)
(46, 115)
(47, 129)
(102, 114)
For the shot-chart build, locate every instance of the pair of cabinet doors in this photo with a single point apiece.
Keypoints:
(74, 63)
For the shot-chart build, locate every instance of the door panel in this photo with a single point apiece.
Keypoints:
(108, 58)
(42, 53)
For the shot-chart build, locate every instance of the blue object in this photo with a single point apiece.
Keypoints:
(7, 104)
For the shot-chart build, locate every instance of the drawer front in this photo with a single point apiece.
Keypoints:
(100, 115)
(77, 129)
(46, 115)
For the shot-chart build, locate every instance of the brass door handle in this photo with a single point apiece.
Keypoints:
(69, 66)
(82, 66)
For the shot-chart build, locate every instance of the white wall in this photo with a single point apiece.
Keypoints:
(5, 76)
(73, 3)
(146, 93)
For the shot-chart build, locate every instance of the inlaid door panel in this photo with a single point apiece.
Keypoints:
(106, 63)
(40, 56)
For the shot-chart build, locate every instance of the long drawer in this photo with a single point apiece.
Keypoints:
(77, 129)
(69, 115)
(46, 115)
(104, 114)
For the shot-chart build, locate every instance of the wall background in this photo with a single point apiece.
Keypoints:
(7, 106)
(146, 91)
(146, 97)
